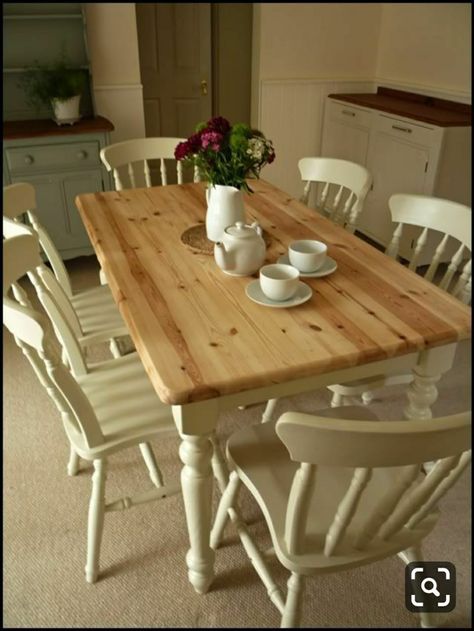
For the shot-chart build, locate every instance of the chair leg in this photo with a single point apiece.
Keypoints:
(95, 524)
(269, 409)
(218, 463)
(102, 277)
(73, 464)
(367, 397)
(337, 400)
(152, 466)
(414, 555)
(292, 613)
(227, 501)
(114, 349)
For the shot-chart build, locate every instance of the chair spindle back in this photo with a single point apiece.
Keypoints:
(133, 154)
(31, 333)
(342, 188)
(365, 447)
(452, 221)
(19, 200)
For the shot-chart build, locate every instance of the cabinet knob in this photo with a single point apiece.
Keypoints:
(82, 155)
(29, 159)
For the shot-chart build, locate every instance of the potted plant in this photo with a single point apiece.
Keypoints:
(57, 85)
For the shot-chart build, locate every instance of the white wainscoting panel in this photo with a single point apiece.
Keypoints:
(122, 105)
(291, 115)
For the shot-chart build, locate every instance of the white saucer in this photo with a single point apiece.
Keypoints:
(255, 293)
(329, 266)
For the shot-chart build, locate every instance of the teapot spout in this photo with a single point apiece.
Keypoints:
(222, 256)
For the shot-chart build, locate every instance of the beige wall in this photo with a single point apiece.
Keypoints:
(318, 40)
(426, 45)
(420, 46)
(113, 51)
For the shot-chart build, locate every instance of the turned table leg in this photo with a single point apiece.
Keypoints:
(422, 391)
(196, 423)
(196, 482)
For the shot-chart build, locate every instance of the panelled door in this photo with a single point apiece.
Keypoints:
(175, 62)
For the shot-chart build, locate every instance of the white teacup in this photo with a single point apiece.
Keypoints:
(307, 255)
(278, 281)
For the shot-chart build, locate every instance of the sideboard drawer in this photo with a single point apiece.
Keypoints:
(47, 157)
(347, 113)
(418, 133)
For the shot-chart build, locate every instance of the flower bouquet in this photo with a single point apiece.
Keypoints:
(226, 155)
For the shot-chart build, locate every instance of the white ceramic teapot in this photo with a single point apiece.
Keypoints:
(242, 249)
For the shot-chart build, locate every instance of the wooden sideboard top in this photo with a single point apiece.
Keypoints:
(417, 106)
(47, 127)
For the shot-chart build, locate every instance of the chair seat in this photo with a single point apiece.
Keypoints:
(109, 386)
(270, 484)
(97, 311)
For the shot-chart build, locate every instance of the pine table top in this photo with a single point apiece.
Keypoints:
(199, 336)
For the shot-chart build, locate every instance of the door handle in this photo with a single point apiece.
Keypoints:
(204, 87)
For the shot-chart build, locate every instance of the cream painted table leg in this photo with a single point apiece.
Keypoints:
(195, 423)
(422, 391)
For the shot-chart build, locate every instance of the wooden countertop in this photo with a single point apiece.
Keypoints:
(417, 106)
(47, 127)
(198, 334)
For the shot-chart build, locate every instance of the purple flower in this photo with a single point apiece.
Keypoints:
(219, 124)
(194, 142)
(211, 140)
(182, 150)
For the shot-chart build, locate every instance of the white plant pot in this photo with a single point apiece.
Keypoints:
(66, 112)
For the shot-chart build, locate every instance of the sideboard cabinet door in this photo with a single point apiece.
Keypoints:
(403, 155)
(402, 158)
(346, 132)
(57, 211)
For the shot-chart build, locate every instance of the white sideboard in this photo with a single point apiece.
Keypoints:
(404, 155)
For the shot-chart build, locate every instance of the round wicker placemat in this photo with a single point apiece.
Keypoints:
(195, 238)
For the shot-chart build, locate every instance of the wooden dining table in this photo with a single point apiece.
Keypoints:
(208, 348)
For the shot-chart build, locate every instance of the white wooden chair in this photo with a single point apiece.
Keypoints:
(338, 493)
(452, 221)
(341, 188)
(73, 339)
(140, 150)
(105, 407)
(94, 308)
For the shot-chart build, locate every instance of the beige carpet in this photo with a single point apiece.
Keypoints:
(144, 579)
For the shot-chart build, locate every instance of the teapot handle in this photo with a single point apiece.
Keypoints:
(257, 228)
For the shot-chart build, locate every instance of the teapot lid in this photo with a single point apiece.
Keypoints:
(242, 230)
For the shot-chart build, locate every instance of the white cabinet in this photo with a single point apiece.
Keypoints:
(404, 156)
(346, 132)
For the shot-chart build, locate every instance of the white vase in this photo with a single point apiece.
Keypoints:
(66, 112)
(225, 206)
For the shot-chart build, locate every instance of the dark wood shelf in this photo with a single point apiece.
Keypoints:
(47, 127)
(417, 106)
